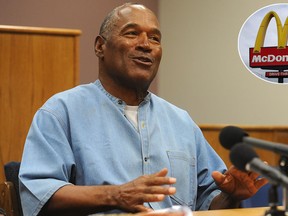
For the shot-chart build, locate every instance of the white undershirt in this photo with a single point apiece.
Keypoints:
(131, 113)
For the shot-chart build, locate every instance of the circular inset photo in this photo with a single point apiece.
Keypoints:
(262, 43)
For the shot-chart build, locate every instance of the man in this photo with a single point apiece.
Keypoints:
(111, 146)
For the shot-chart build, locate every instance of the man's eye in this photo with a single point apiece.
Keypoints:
(133, 33)
(155, 39)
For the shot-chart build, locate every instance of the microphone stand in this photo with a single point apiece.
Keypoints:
(283, 164)
(273, 202)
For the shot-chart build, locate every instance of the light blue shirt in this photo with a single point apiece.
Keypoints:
(82, 136)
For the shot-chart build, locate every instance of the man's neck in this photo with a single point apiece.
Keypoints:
(131, 96)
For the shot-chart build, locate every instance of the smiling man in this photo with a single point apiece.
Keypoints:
(129, 51)
(112, 146)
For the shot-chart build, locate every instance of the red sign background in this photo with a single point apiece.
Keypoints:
(269, 57)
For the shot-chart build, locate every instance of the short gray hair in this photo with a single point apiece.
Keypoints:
(109, 22)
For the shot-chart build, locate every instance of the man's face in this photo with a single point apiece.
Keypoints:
(132, 53)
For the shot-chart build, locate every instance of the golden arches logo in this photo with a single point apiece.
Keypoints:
(281, 30)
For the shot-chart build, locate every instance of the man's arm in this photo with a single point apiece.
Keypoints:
(129, 197)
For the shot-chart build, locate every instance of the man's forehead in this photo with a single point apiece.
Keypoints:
(132, 9)
(137, 12)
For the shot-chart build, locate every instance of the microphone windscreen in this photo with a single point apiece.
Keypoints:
(230, 136)
(241, 154)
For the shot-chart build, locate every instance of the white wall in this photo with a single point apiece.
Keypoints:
(201, 70)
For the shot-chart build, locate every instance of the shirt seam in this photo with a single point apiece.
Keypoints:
(59, 119)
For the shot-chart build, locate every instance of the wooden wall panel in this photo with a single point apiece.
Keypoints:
(278, 134)
(35, 63)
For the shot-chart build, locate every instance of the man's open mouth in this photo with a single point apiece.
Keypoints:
(143, 60)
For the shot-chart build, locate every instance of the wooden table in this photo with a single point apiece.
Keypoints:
(233, 212)
(226, 212)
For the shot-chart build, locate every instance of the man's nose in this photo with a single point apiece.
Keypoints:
(143, 42)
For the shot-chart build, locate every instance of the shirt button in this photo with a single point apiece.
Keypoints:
(120, 102)
(146, 159)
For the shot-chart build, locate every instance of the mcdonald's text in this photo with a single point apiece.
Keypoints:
(269, 58)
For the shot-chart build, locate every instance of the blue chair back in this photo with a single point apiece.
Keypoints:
(261, 198)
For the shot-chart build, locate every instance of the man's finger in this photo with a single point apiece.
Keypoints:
(166, 190)
(218, 177)
(142, 208)
(260, 182)
(161, 173)
(159, 178)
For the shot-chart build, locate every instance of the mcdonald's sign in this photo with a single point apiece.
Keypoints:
(275, 58)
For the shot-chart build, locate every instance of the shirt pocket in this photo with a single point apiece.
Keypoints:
(183, 169)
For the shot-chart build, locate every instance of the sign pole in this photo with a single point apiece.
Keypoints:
(281, 79)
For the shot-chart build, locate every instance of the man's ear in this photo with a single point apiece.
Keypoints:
(99, 46)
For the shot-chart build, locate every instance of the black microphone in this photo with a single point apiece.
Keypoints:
(244, 158)
(231, 135)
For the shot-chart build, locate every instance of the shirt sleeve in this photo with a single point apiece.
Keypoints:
(207, 162)
(46, 163)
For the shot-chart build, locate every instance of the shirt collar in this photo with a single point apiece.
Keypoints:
(118, 100)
